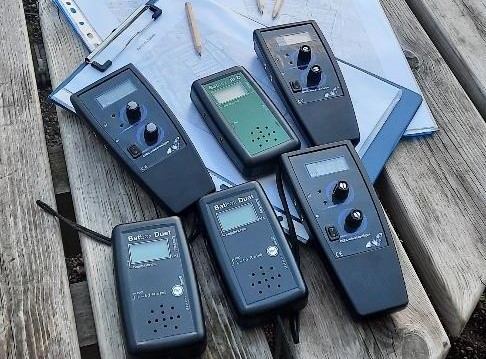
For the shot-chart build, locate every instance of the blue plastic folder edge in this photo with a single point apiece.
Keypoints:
(387, 139)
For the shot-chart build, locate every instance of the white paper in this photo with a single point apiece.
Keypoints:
(164, 53)
(358, 32)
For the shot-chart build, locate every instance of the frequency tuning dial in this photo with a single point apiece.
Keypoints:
(151, 133)
(340, 192)
(305, 54)
(133, 112)
(354, 219)
(314, 76)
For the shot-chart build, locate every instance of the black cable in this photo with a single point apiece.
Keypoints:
(292, 235)
(278, 337)
(294, 319)
(195, 230)
(92, 234)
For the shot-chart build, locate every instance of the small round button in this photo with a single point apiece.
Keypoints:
(133, 112)
(177, 290)
(305, 54)
(314, 76)
(354, 220)
(151, 132)
(340, 192)
(272, 251)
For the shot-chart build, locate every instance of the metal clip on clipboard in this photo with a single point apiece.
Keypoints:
(157, 12)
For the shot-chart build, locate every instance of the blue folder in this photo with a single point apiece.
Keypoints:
(387, 139)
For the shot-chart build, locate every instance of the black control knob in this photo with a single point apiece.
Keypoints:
(314, 76)
(354, 220)
(151, 133)
(305, 54)
(134, 113)
(340, 192)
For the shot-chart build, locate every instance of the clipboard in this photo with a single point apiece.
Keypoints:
(93, 20)
(137, 32)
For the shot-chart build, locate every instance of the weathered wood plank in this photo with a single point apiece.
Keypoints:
(104, 195)
(435, 187)
(58, 170)
(328, 331)
(36, 314)
(83, 314)
(458, 29)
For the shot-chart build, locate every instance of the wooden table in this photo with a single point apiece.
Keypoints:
(433, 188)
(36, 314)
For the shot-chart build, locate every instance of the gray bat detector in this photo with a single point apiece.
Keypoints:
(255, 262)
(305, 73)
(133, 121)
(157, 290)
(346, 220)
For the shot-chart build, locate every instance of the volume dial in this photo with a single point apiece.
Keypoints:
(305, 54)
(340, 192)
(354, 220)
(315, 75)
(133, 112)
(151, 133)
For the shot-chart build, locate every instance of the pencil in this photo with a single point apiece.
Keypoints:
(196, 36)
(261, 5)
(276, 8)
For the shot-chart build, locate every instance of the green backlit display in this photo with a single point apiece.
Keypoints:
(250, 118)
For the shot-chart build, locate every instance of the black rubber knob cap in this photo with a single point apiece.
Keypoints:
(134, 112)
(354, 220)
(340, 192)
(151, 132)
(314, 76)
(305, 54)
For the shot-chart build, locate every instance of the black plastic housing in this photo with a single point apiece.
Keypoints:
(324, 120)
(363, 261)
(176, 178)
(255, 262)
(156, 322)
(250, 166)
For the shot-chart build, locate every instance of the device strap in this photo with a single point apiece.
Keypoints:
(279, 334)
(294, 319)
(292, 235)
(92, 234)
(195, 230)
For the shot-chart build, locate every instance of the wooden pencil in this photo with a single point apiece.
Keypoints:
(276, 8)
(196, 36)
(261, 5)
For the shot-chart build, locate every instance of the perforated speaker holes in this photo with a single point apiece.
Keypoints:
(265, 278)
(264, 135)
(163, 319)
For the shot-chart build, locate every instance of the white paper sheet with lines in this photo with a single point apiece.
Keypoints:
(165, 54)
(358, 32)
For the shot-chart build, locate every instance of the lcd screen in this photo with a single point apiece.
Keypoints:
(322, 168)
(149, 251)
(116, 94)
(294, 39)
(237, 217)
(230, 93)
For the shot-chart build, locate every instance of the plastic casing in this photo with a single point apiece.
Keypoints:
(250, 166)
(133, 313)
(321, 122)
(178, 180)
(241, 261)
(371, 280)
